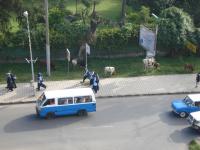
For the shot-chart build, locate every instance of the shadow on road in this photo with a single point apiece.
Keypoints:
(172, 119)
(184, 135)
(32, 123)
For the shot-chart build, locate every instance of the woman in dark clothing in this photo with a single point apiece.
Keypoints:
(13, 78)
(9, 82)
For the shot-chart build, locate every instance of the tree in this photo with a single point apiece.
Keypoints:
(158, 5)
(77, 6)
(192, 7)
(6, 7)
(175, 28)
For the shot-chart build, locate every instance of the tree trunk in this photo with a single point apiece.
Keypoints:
(94, 7)
(76, 6)
(123, 12)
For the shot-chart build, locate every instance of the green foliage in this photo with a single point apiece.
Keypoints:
(115, 39)
(126, 67)
(157, 6)
(6, 9)
(17, 39)
(192, 7)
(64, 33)
(57, 16)
(175, 28)
(194, 145)
(68, 35)
(197, 36)
(141, 17)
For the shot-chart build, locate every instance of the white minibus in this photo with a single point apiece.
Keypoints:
(78, 101)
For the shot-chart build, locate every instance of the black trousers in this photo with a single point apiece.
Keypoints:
(41, 85)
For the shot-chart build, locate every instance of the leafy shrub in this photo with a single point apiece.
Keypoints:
(193, 145)
(115, 39)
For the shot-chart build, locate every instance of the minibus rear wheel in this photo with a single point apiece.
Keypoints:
(82, 113)
(50, 115)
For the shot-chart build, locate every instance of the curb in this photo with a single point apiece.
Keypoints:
(114, 96)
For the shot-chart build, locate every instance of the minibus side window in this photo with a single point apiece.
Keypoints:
(88, 99)
(83, 99)
(49, 102)
(70, 101)
(64, 101)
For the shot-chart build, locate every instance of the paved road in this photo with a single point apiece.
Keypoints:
(139, 123)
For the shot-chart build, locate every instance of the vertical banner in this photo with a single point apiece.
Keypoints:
(68, 54)
(87, 49)
(87, 52)
(148, 41)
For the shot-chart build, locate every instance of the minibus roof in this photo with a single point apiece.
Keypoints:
(68, 93)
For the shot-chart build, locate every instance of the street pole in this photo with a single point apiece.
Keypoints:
(48, 56)
(68, 67)
(157, 18)
(156, 38)
(29, 38)
(86, 55)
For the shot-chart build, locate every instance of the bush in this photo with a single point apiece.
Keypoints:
(114, 39)
(194, 145)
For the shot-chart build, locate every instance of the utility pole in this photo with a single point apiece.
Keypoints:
(48, 56)
(29, 38)
(156, 17)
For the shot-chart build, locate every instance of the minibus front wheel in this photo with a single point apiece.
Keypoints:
(50, 115)
(82, 113)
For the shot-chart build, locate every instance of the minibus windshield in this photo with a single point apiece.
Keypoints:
(41, 99)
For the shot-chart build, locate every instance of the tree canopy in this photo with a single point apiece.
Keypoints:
(175, 28)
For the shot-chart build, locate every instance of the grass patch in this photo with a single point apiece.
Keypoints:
(125, 67)
(193, 145)
(109, 9)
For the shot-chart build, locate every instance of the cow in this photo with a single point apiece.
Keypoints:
(109, 70)
(150, 63)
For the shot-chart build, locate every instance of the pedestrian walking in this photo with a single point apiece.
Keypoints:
(13, 78)
(92, 75)
(9, 82)
(86, 75)
(97, 80)
(40, 81)
(197, 79)
(95, 85)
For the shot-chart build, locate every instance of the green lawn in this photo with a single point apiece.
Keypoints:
(125, 67)
(109, 9)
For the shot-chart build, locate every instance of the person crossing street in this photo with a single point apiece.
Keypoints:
(40, 81)
(95, 84)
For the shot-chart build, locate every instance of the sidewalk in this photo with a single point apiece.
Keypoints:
(109, 87)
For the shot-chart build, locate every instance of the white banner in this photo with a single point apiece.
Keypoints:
(87, 49)
(68, 54)
(148, 40)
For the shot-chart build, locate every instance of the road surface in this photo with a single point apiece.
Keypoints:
(131, 123)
